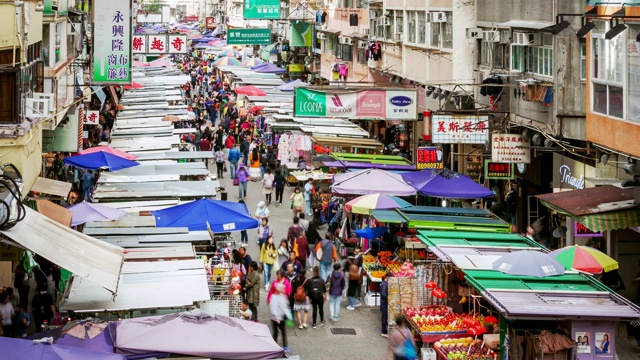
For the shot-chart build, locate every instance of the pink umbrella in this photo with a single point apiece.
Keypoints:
(109, 150)
(136, 63)
(249, 90)
(160, 62)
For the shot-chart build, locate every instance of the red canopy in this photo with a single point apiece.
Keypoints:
(249, 90)
(255, 108)
(134, 85)
(109, 150)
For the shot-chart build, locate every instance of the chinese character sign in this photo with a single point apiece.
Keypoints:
(254, 36)
(498, 171)
(261, 9)
(139, 44)
(112, 42)
(93, 117)
(157, 44)
(582, 231)
(177, 44)
(429, 158)
(510, 148)
(454, 129)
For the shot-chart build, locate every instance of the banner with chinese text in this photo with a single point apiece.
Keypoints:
(93, 117)
(372, 103)
(159, 44)
(459, 129)
(261, 9)
(429, 158)
(301, 34)
(510, 148)
(112, 42)
(248, 36)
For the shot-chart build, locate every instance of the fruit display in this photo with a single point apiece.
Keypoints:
(439, 318)
(377, 274)
(406, 270)
(464, 349)
(368, 258)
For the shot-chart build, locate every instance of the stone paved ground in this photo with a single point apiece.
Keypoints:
(311, 344)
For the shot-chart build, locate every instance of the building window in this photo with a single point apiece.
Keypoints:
(60, 45)
(633, 74)
(435, 35)
(422, 27)
(500, 56)
(537, 60)
(362, 59)
(607, 76)
(347, 52)
(583, 61)
(442, 32)
(399, 21)
(332, 42)
(46, 34)
(348, 3)
(485, 53)
(411, 26)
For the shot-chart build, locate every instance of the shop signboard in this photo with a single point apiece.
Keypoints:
(261, 9)
(177, 44)
(112, 42)
(248, 36)
(139, 44)
(296, 69)
(210, 23)
(366, 104)
(429, 158)
(510, 148)
(301, 34)
(569, 174)
(93, 117)
(580, 230)
(190, 18)
(459, 129)
(10, 253)
(157, 44)
(498, 171)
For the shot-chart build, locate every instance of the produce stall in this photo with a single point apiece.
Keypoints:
(466, 348)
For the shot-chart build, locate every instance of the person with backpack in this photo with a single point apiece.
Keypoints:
(326, 254)
(264, 162)
(401, 341)
(316, 290)
(336, 286)
(300, 246)
(300, 300)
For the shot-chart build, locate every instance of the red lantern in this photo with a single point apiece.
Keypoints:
(437, 293)
(431, 285)
(491, 319)
(480, 329)
(472, 331)
(469, 321)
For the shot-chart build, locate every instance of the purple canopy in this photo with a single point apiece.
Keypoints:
(198, 334)
(259, 66)
(86, 212)
(270, 69)
(371, 181)
(446, 184)
(19, 349)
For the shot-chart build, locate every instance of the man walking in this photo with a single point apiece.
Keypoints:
(233, 157)
(329, 255)
(244, 149)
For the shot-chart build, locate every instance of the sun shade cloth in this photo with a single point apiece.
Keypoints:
(371, 181)
(223, 216)
(446, 183)
(19, 349)
(82, 255)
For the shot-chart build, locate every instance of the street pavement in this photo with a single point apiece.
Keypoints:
(320, 343)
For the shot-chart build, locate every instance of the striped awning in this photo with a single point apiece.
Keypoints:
(601, 208)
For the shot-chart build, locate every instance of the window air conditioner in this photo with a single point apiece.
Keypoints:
(438, 16)
(491, 36)
(397, 36)
(321, 36)
(474, 33)
(526, 39)
(362, 44)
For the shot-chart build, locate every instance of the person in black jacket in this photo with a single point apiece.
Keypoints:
(279, 182)
(317, 292)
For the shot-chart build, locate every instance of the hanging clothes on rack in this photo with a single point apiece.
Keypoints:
(335, 71)
(343, 71)
(490, 90)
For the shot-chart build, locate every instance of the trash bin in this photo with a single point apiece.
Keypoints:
(223, 195)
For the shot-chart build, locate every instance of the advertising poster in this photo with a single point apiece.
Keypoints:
(603, 343)
(583, 342)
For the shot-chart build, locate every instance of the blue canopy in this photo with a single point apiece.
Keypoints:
(99, 160)
(446, 183)
(223, 216)
(19, 349)
(371, 233)
(270, 69)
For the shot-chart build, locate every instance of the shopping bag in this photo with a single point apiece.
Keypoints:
(236, 182)
(288, 323)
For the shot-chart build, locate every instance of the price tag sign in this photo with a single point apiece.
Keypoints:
(498, 171)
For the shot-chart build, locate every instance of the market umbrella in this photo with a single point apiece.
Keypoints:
(292, 85)
(256, 108)
(371, 233)
(20, 349)
(171, 118)
(529, 263)
(198, 334)
(134, 85)
(85, 212)
(160, 62)
(110, 150)
(585, 259)
(270, 69)
(85, 334)
(229, 52)
(371, 181)
(100, 160)
(222, 216)
(252, 62)
(249, 90)
(256, 67)
(226, 61)
(365, 203)
(446, 183)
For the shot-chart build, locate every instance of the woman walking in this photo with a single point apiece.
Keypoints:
(297, 201)
(279, 310)
(243, 176)
(267, 185)
(219, 157)
(268, 256)
(283, 254)
(279, 182)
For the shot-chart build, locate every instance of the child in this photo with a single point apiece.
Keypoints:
(245, 312)
(226, 252)
(23, 321)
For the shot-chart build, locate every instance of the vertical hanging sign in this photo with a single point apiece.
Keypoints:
(112, 42)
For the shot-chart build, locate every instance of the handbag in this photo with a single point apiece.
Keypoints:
(224, 169)
(236, 182)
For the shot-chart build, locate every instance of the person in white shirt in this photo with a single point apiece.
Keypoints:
(6, 315)
(245, 312)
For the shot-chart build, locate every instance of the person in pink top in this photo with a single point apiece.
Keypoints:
(280, 279)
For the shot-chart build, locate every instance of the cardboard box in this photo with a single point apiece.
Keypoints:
(492, 340)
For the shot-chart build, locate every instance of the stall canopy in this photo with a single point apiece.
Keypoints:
(100, 160)
(51, 187)
(568, 296)
(20, 349)
(446, 183)
(371, 181)
(83, 255)
(270, 69)
(601, 208)
(222, 216)
(439, 218)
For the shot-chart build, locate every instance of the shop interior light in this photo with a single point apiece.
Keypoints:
(615, 30)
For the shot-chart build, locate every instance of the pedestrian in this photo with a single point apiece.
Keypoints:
(230, 142)
(401, 341)
(279, 310)
(300, 300)
(384, 303)
(267, 185)
(264, 231)
(244, 237)
(326, 253)
(308, 193)
(355, 281)
(254, 164)
(243, 177)
(297, 201)
(357, 261)
(218, 155)
(294, 230)
(42, 306)
(268, 256)
(87, 185)
(301, 248)
(281, 279)
(317, 291)
(7, 312)
(336, 287)
(297, 265)
(313, 237)
(244, 149)
(245, 312)
(252, 288)
(233, 157)
(246, 258)
(205, 144)
(279, 183)
(22, 322)
(283, 254)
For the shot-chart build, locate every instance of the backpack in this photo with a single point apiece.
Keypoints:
(271, 160)
(317, 290)
(294, 247)
(300, 294)
(319, 253)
